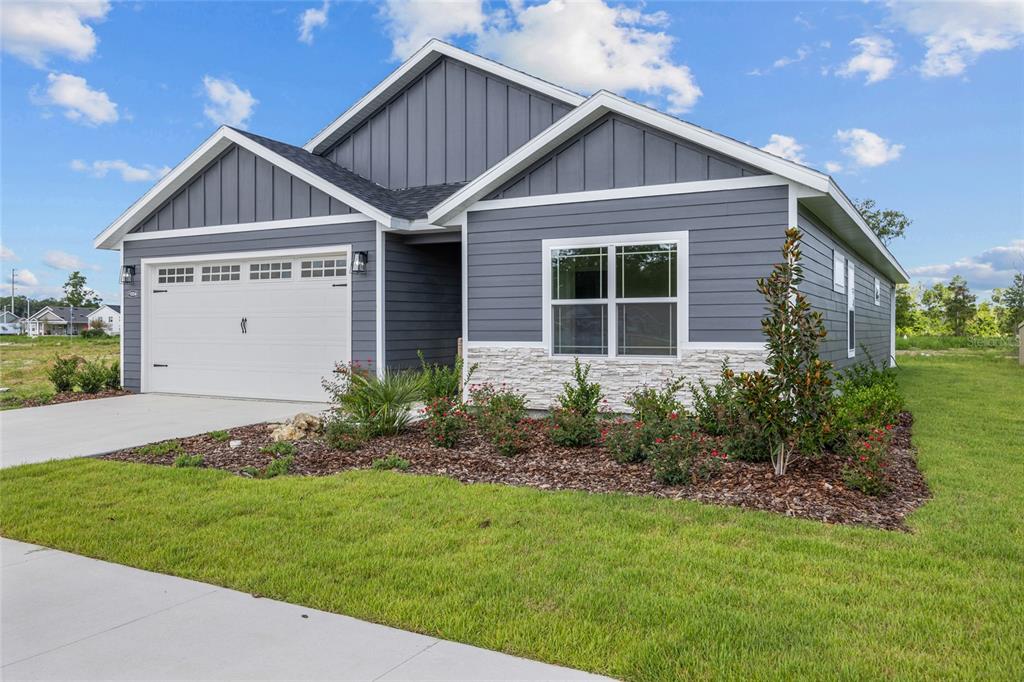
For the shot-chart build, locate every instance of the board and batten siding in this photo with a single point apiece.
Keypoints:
(447, 126)
(362, 237)
(619, 152)
(873, 322)
(422, 302)
(734, 238)
(240, 187)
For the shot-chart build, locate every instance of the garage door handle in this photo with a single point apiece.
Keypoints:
(339, 285)
(159, 291)
(245, 321)
(156, 365)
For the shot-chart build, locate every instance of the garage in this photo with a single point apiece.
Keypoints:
(247, 325)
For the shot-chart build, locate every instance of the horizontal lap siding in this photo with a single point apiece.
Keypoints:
(618, 152)
(422, 302)
(362, 237)
(873, 322)
(239, 187)
(734, 236)
(447, 126)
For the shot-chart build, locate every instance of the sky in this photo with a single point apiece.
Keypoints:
(919, 106)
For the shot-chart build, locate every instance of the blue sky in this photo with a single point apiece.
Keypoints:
(920, 107)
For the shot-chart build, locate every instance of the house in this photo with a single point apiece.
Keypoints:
(10, 323)
(59, 321)
(110, 316)
(462, 199)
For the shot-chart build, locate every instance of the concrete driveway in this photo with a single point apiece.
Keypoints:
(69, 617)
(93, 427)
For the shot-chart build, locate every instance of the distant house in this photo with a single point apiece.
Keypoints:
(10, 323)
(110, 316)
(59, 321)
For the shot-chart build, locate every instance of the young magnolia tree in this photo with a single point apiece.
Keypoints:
(790, 400)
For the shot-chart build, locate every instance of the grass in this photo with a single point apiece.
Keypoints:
(24, 361)
(954, 342)
(637, 588)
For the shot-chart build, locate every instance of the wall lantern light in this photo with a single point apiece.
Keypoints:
(359, 261)
(128, 274)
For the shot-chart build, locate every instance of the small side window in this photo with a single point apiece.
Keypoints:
(838, 272)
(878, 292)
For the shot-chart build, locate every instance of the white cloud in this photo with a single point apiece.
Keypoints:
(25, 278)
(410, 23)
(868, 149)
(79, 101)
(312, 19)
(955, 34)
(584, 45)
(782, 62)
(227, 103)
(991, 268)
(786, 147)
(33, 31)
(833, 167)
(876, 59)
(129, 173)
(61, 260)
(7, 255)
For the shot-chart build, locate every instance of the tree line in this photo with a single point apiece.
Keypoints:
(951, 309)
(77, 294)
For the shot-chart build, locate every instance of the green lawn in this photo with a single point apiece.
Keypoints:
(632, 587)
(24, 361)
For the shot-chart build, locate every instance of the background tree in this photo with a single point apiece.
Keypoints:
(908, 310)
(1011, 303)
(960, 306)
(933, 309)
(887, 224)
(77, 294)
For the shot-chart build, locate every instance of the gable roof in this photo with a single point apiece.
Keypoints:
(823, 195)
(80, 315)
(411, 69)
(8, 316)
(115, 308)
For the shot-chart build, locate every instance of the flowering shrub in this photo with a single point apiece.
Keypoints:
(342, 433)
(446, 420)
(510, 438)
(653, 404)
(500, 414)
(683, 458)
(710, 465)
(625, 440)
(867, 466)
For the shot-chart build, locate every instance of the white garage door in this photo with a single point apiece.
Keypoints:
(270, 327)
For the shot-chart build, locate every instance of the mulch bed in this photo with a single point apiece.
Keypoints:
(71, 398)
(812, 488)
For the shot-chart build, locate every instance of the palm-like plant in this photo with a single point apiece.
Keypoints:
(381, 405)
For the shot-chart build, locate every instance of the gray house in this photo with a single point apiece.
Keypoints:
(462, 199)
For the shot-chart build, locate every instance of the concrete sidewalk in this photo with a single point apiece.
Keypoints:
(93, 427)
(70, 617)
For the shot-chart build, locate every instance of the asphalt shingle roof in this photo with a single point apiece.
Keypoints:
(409, 204)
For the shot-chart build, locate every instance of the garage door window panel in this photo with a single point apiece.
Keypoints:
(272, 270)
(177, 275)
(220, 273)
(326, 267)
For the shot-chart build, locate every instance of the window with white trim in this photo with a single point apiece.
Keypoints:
(323, 267)
(220, 273)
(641, 301)
(175, 275)
(276, 270)
(838, 271)
(878, 292)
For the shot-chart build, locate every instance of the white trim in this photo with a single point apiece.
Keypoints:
(250, 227)
(844, 202)
(892, 325)
(851, 306)
(792, 207)
(120, 334)
(747, 182)
(463, 221)
(146, 290)
(411, 69)
(726, 345)
(681, 299)
(505, 344)
(206, 152)
(838, 271)
(380, 312)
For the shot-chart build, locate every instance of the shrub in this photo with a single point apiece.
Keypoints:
(443, 381)
(382, 405)
(167, 447)
(655, 404)
(113, 381)
(279, 449)
(63, 373)
(91, 377)
(93, 333)
(220, 436)
(866, 469)
(279, 466)
(186, 461)
(574, 419)
(715, 406)
(672, 458)
(573, 429)
(446, 420)
(510, 438)
(392, 461)
(860, 409)
(625, 440)
(865, 374)
(342, 433)
(493, 407)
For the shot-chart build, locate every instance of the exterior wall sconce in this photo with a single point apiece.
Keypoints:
(128, 274)
(359, 261)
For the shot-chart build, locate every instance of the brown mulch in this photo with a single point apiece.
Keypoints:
(59, 398)
(812, 488)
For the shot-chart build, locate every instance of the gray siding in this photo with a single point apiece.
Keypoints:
(449, 125)
(362, 236)
(618, 152)
(872, 322)
(240, 187)
(422, 301)
(734, 236)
